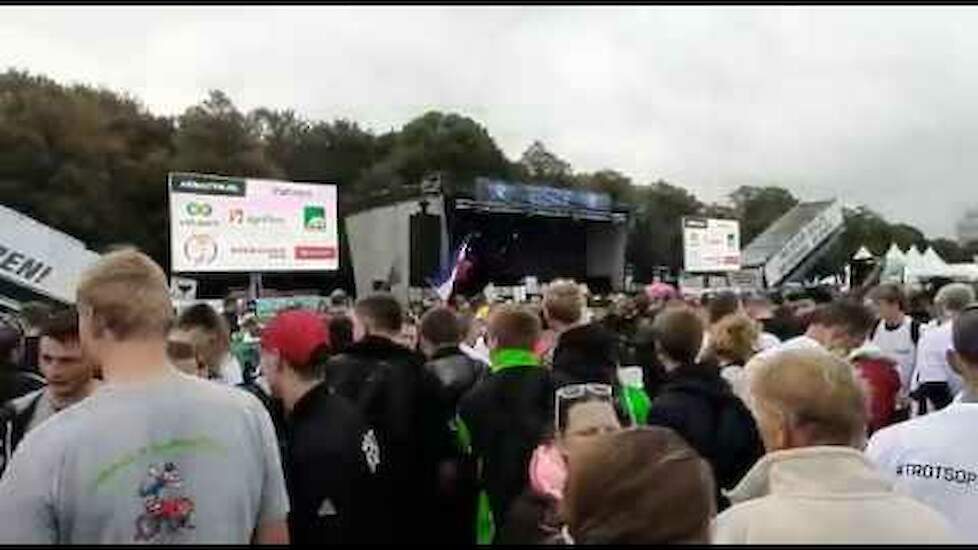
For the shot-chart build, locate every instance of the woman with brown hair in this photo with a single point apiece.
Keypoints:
(639, 486)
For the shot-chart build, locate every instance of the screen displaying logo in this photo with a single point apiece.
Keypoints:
(314, 218)
(199, 209)
(200, 250)
(315, 252)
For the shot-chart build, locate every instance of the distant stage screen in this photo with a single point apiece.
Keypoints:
(221, 224)
(505, 248)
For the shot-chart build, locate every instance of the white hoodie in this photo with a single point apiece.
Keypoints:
(824, 495)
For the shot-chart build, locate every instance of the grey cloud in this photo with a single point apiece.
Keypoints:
(873, 105)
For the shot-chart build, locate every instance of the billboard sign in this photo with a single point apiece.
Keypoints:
(711, 245)
(39, 258)
(220, 224)
(803, 243)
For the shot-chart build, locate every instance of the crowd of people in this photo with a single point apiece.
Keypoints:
(653, 418)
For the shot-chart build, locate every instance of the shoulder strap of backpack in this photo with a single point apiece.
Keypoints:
(915, 331)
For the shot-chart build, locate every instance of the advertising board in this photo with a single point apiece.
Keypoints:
(802, 243)
(221, 224)
(37, 257)
(711, 245)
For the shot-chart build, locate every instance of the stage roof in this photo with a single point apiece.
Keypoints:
(780, 232)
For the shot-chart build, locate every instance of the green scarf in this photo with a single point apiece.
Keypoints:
(505, 358)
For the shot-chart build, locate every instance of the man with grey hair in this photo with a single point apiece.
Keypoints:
(935, 383)
(815, 486)
(933, 457)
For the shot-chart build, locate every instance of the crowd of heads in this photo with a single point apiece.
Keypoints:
(618, 482)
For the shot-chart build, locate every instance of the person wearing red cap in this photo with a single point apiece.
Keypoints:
(331, 455)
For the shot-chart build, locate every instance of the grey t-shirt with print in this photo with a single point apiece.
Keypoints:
(179, 461)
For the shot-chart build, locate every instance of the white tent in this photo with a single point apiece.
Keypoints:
(863, 254)
(936, 266)
(964, 272)
(893, 264)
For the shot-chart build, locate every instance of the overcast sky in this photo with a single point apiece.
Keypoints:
(875, 106)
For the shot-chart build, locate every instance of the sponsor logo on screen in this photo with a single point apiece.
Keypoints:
(268, 252)
(199, 209)
(200, 250)
(314, 218)
(315, 252)
(205, 185)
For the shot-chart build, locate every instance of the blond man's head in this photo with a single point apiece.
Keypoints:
(563, 302)
(124, 296)
(806, 398)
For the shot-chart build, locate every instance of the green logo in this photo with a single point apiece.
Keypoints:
(314, 218)
(199, 209)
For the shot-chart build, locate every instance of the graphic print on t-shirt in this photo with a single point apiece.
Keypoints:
(371, 450)
(166, 509)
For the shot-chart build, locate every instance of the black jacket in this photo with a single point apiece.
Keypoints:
(15, 416)
(456, 373)
(15, 383)
(330, 462)
(507, 415)
(588, 353)
(399, 399)
(700, 406)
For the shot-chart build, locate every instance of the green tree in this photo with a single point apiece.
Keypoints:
(540, 165)
(950, 251)
(759, 207)
(216, 138)
(616, 184)
(83, 160)
(655, 236)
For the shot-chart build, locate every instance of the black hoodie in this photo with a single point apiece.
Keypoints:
(399, 399)
(699, 405)
(586, 353)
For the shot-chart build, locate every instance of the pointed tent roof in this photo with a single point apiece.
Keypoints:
(863, 254)
(915, 266)
(935, 265)
(895, 254)
(933, 258)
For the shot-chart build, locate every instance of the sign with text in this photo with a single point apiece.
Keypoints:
(221, 224)
(803, 243)
(37, 257)
(711, 245)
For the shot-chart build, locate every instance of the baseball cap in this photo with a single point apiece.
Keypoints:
(295, 335)
(965, 337)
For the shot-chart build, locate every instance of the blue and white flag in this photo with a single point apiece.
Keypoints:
(445, 288)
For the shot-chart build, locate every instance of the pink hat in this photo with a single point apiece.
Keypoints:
(660, 291)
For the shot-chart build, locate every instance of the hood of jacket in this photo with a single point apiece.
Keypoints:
(704, 379)
(20, 404)
(456, 371)
(377, 347)
(820, 470)
(586, 353)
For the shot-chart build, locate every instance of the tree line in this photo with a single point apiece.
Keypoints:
(92, 162)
